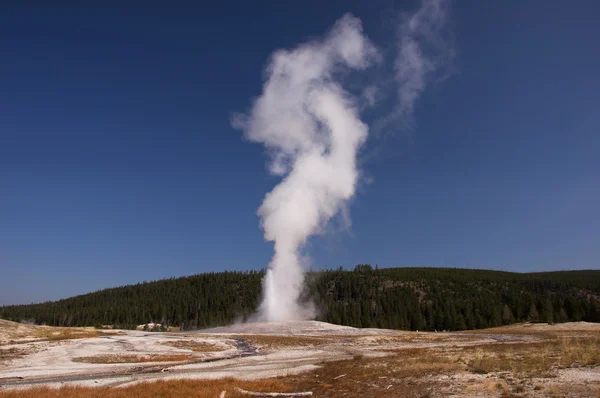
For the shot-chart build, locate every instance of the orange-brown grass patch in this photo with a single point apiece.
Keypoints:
(536, 358)
(131, 358)
(420, 372)
(421, 337)
(196, 346)
(571, 390)
(60, 336)
(400, 374)
(583, 351)
(489, 386)
(8, 354)
(269, 341)
(541, 330)
(174, 388)
(48, 333)
(57, 334)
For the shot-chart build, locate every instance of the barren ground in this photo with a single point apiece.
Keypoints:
(329, 360)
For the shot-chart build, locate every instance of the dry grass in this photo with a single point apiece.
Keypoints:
(512, 369)
(538, 330)
(582, 351)
(420, 337)
(488, 386)
(55, 334)
(406, 373)
(567, 390)
(175, 388)
(43, 333)
(12, 333)
(419, 372)
(195, 346)
(130, 358)
(538, 359)
(429, 371)
(8, 354)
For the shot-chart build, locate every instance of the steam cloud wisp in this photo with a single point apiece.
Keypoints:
(311, 127)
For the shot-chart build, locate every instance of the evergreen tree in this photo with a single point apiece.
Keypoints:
(507, 315)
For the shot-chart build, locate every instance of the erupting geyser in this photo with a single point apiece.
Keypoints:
(310, 124)
(311, 127)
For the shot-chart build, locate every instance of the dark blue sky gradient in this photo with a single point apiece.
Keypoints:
(118, 163)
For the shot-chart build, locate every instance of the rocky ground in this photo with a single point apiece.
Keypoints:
(329, 360)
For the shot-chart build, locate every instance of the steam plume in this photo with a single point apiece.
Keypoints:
(423, 50)
(311, 127)
(424, 55)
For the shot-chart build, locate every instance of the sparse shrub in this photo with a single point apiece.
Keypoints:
(553, 390)
(519, 388)
(477, 364)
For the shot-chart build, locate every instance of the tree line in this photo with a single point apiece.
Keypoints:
(395, 298)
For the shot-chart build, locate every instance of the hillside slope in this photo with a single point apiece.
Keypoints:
(400, 298)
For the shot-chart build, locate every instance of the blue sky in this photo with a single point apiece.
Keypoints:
(118, 163)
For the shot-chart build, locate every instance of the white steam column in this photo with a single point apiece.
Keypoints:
(310, 125)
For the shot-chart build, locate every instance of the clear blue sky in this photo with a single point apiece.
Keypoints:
(118, 163)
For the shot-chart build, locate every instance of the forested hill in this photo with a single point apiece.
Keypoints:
(399, 298)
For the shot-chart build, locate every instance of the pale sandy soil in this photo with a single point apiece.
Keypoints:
(296, 328)
(14, 331)
(296, 351)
